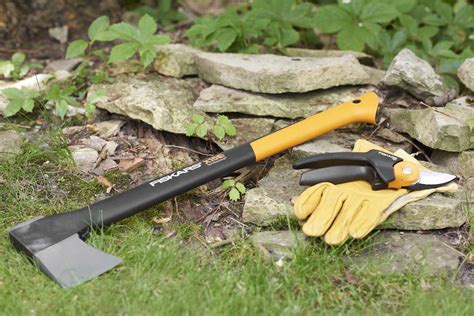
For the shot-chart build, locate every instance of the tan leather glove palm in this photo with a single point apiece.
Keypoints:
(353, 209)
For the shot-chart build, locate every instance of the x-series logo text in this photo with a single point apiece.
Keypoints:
(210, 161)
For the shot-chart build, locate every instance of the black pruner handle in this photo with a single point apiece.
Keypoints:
(381, 162)
(343, 174)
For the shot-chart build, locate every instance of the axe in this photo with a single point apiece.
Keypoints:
(56, 243)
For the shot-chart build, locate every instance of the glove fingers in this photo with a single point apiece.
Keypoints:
(307, 202)
(339, 231)
(324, 214)
(365, 221)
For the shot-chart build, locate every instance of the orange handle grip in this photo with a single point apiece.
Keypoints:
(361, 109)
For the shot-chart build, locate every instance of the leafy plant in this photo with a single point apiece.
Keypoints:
(164, 13)
(61, 99)
(19, 99)
(16, 68)
(141, 40)
(221, 127)
(235, 189)
(275, 23)
(355, 22)
(92, 98)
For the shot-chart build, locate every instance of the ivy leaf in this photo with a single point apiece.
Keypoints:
(123, 51)
(234, 195)
(378, 12)
(147, 26)
(225, 38)
(197, 118)
(332, 18)
(98, 26)
(219, 131)
(76, 48)
(352, 38)
(18, 58)
(201, 130)
(191, 129)
(240, 187)
(228, 183)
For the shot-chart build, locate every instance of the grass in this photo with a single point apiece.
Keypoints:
(165, 277)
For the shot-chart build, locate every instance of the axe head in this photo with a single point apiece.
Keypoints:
(58, 250)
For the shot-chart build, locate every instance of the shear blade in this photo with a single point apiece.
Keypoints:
(431, 179)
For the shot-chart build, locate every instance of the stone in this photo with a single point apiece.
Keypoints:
(10, 144)
(104, 166)
(272, 198)
(63, 64)
(466, 73)
(59, 33)
(248, 129)
(278, 244)
(220, 99)
(415, 75)
(163, 102)
(109, 128)
(442, 128)
(403, 252)
(94, 142)
(460, 164)
(437, 211)
(85, 158)
(376, 75)
(36, 82)
(279, 74)
(304, 52)
(129, 165)
(175, 60)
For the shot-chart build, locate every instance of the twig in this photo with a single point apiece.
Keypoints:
(188, 149)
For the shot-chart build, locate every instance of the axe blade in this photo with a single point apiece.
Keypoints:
(71, 261)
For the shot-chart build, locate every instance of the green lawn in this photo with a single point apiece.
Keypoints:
(169, 277)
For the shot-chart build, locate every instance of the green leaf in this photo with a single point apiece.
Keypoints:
(240, 187)
(23, 70)
(18, 58)
(191, 129)
(225, 38)
(147, 25)
(147, 55)
(201, 130)
(106, 36)
(61, 108)
(123, 52)
(99, 25)
(28, 105)
(197, 118)
(125, 31)
(427, 31)
(90, 109)
(230, 129)
(159, 40)
(12, 93)
(219, 131)
(6, 68)
(409, 23)
(223, 119)
(352, 38)
(12, 108)
(234, 195)
(403, 6)
(331, 18)
(76, 48)
(228, 183)
(378, 12)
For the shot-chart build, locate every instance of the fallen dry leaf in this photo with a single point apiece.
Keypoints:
(131, 165)
(103, 181)
(162, 220)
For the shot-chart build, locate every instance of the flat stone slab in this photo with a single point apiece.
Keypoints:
(415, 75)
(442, 128)
(10, 144)
(279, 74)
(437, 211)
(396, 252)
(84, 157)
(220, 99)
(466, 73)
(175, 60)
(163, 102)
(460, 164)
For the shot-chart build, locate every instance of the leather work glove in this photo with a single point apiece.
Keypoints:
(353, 208)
